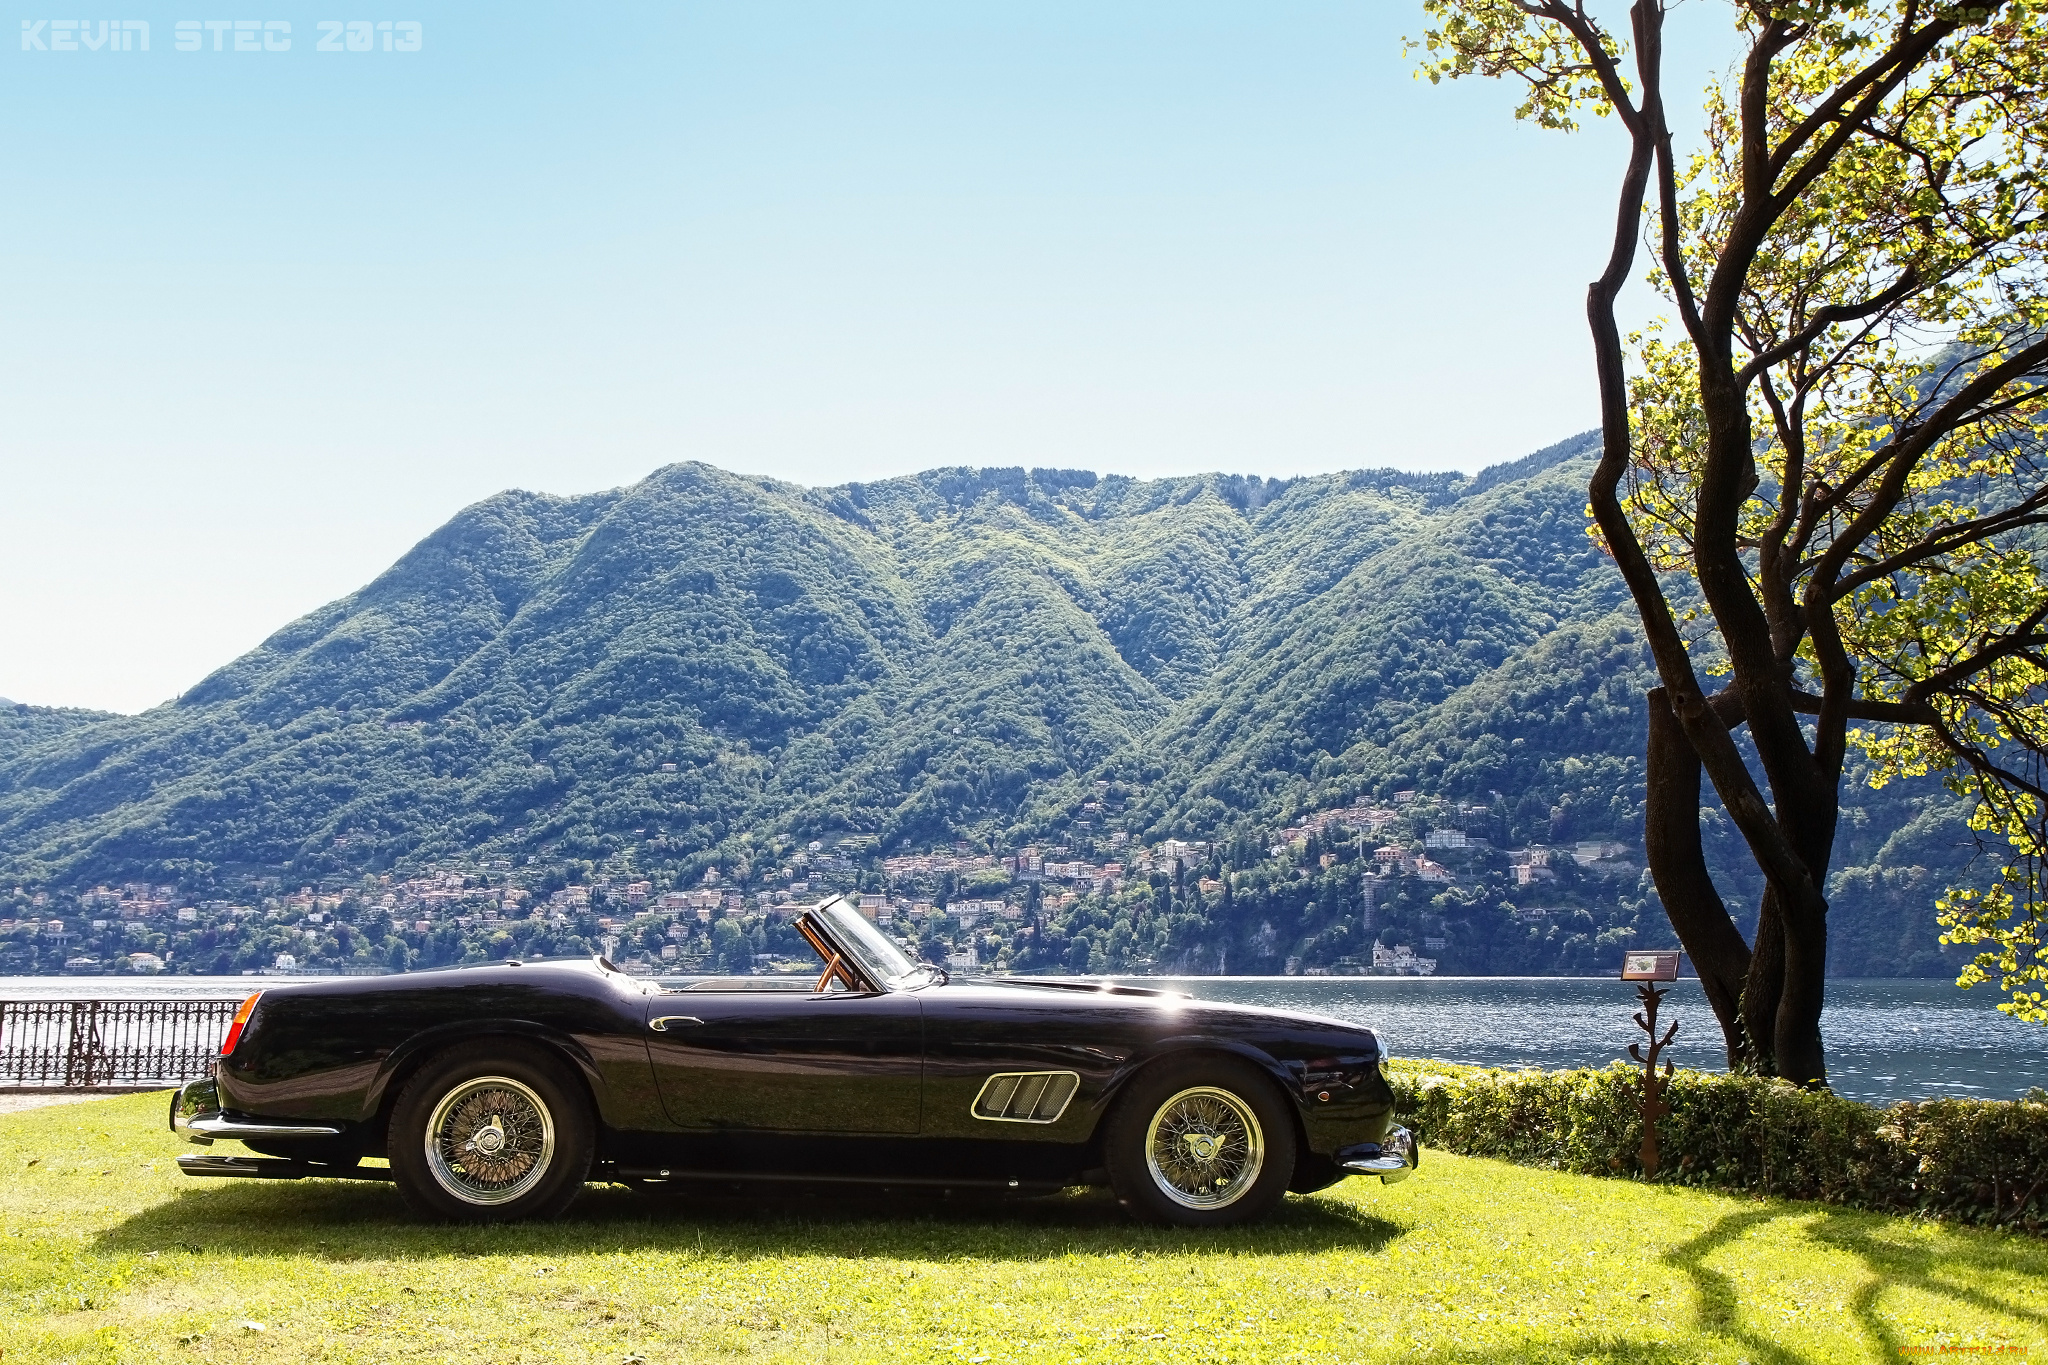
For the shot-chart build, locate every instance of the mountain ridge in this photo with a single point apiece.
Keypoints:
(688, 671)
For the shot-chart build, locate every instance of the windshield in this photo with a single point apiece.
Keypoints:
(869, 946)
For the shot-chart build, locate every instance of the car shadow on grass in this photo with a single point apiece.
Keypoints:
(347, 1221)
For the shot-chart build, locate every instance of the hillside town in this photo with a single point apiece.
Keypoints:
(1385, 890)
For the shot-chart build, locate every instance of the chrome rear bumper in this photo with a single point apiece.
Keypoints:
(196, 1116)
(269, 1168)
(1392, 1158)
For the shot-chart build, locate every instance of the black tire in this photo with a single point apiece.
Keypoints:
(491, 1132)
(1199, 1142)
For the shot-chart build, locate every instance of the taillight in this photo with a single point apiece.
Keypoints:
(240, 1022)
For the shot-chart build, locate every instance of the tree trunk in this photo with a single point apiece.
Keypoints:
(1791, 836)
(1764, 986)
(1797, 1041)
(1796, 1029)
(1788, 976)
(1671, 837)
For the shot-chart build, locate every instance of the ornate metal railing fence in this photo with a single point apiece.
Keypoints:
(88, 1044)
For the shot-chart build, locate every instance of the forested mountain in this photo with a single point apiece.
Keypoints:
(707, 670)
(22, 727)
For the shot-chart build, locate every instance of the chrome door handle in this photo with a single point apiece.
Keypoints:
(669, 1021)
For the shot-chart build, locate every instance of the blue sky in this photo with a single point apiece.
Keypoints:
(273, 316)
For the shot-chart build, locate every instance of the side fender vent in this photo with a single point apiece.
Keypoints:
(1026, 1096)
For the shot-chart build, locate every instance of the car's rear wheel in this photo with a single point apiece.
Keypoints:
(491, 1132)
(1201, 1142)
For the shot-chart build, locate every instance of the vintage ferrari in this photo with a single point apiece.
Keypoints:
(497, 1091)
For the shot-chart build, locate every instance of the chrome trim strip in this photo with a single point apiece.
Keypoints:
(1012, 1097)
(210, 1126)
(247, 1168)
(273, 1168)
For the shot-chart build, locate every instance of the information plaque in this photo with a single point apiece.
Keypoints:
(1649, 967)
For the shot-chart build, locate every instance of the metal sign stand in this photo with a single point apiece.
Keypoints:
(1645, 969)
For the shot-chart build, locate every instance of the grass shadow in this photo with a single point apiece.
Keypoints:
(1956, 1269)
(1717, 1305)
(347, 1221)
(1960, 1268)
(1591, 1349)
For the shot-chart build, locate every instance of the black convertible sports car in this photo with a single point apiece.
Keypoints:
(497, 1091)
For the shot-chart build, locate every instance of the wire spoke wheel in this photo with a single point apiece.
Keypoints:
(490, 1140)
(1204, 1148)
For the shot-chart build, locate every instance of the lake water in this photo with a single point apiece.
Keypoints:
(1886, 1040)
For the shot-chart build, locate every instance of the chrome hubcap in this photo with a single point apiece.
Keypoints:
(490, 1140)
(1204, 1148)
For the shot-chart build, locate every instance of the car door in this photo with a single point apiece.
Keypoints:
(787, 1061)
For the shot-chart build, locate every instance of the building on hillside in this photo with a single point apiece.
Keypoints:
(1444, 838)
(1590, 851)
(1327, 824)
(967, 912)
(1400, 960)
(1530, 865)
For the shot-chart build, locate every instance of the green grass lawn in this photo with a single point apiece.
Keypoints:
(109, 1254)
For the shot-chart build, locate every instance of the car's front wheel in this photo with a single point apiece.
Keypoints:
(1201, 1142)
(491, 1132)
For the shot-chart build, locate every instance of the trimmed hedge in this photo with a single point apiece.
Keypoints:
(1981, 1161)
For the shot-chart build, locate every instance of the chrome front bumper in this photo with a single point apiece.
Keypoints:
(196, 1116)
(1392, 1158)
